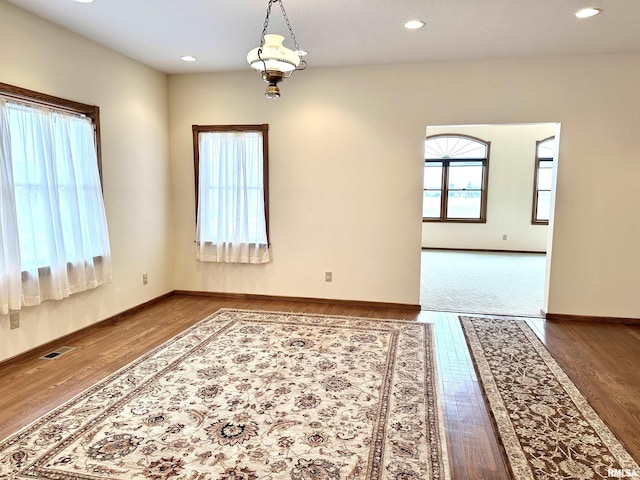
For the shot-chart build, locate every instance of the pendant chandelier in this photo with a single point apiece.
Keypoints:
(272, 58)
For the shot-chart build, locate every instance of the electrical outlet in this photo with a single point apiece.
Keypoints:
(145, 278)
(14, 319)
(328, 276)
(504, 237)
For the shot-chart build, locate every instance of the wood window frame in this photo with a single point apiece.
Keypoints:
(11, 92)
(445, 184)
(264, 130)
(534, 203)
(24, 95)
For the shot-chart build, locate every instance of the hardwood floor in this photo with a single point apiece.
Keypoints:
(601, 359)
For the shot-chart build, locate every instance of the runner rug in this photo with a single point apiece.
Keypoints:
(248, 395)
(547, 427)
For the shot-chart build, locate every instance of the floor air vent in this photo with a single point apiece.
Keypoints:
(57, 353)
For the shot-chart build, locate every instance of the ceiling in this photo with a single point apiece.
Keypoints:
(346, 32)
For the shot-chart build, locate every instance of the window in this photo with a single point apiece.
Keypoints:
(54, 231)
(545, 152)
(231, 168)
(455, 179)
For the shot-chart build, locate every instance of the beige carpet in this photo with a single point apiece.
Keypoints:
(548, 429)
(492, 283)
(248, 395)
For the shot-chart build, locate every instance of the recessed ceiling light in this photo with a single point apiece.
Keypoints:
(414, 24)
(188, 58)
(588, 12)
(84, 1)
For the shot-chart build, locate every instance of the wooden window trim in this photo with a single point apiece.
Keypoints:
(484, 190)
(264, 129)
(43, 99)
(534, 203)
(12, 92)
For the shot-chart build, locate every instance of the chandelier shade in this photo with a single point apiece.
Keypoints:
(272, 58)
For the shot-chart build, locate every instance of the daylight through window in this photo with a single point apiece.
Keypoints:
(231, 165)
(545, 153)
(455, 179)
(54, 231)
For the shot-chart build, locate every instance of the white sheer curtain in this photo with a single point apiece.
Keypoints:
(10, 288)
(231, 221)
(53, 186)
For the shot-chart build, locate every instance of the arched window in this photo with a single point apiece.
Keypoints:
(455, 179)
(545, 153)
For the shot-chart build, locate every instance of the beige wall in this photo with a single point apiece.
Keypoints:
(346, 172)
(134, 120)
(510, 193)
(342, 188)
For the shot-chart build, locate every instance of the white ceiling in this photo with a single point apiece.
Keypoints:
(346, 32)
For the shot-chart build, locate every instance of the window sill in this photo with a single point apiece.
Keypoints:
(45, 272)
(453, 220)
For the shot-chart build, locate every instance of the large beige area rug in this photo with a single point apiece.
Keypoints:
(547, 427)
(248, 395)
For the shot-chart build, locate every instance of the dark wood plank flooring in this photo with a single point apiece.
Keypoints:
(602, 360)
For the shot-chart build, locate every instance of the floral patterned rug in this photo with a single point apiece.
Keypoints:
(547, 427)
(248, 395)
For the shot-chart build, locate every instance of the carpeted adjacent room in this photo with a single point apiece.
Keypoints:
(494, 283)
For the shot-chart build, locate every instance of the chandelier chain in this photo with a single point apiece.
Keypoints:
(286, 19)
(303, 63)
(264, 32)
(266, 24)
